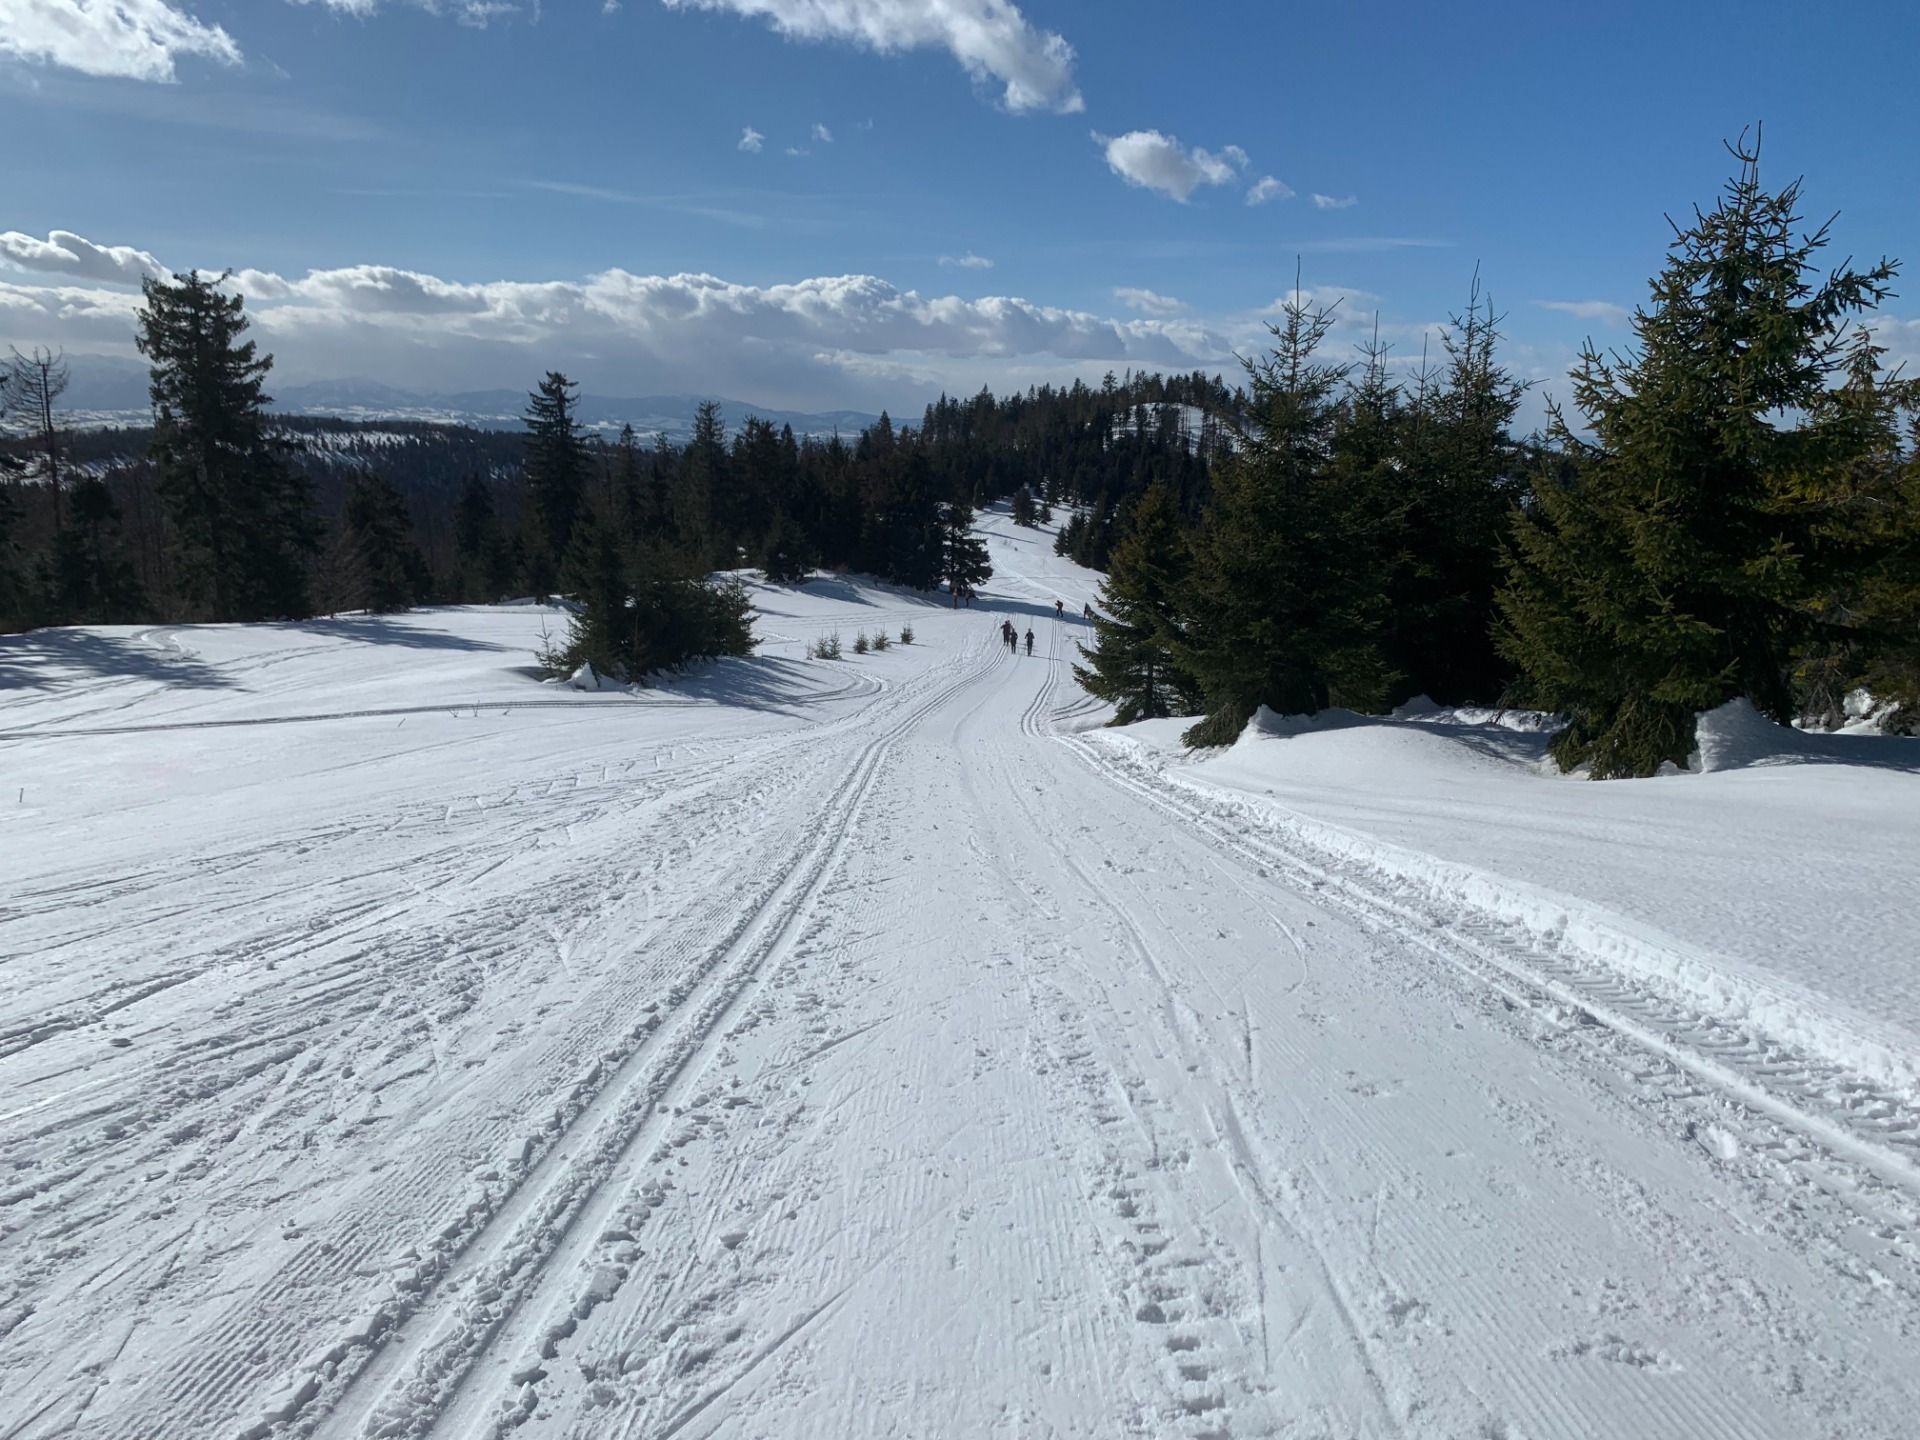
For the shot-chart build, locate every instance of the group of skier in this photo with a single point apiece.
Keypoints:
(1011, 634)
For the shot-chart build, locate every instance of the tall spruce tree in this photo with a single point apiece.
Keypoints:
(557, 470)
(964, 562)
(1284, 609)
(1680, 556)
(1132, 661)
(700, 492)
(242, 519)
(1458, 474)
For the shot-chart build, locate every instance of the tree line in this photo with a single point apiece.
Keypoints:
(226, 511)
(1732, 510)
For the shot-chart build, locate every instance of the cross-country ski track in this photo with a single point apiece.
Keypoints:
(870, 1048)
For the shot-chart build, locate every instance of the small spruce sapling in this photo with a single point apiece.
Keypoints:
(906, 634)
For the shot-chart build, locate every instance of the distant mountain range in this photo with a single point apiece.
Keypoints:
(106, 391)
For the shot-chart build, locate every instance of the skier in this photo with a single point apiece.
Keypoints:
(1029, 641)
(1086, 612)
(1059, 608)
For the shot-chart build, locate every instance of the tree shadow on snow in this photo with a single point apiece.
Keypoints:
(384, 630)
(754, 682)
(47, 659)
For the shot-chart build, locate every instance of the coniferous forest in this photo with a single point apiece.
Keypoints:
(1730, 507)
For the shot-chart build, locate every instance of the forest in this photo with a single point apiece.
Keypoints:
(1730, 508)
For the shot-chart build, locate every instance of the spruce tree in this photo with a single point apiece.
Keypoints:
(1679, 557)
(242, 520)
(699, 492)
(91, 579)
(963, 554)
(1131, 663)
(603, 629)
(785, 556)
(1284, 609)
(1458, 474)
(388, 568)
(557, 467)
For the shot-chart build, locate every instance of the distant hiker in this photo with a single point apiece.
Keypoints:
(1029, 642)
(1059, 608)
(1086, 612)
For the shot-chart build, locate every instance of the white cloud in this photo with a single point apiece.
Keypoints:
(477, 13)
(65, 253)
(1267, 188)
(991, 39)
(795, 151)
(1147, 302)
(616, 328)
(821, 135)
(751, 140)
(1335, 202)
(968, 261)
(134, 39)
(1604, 311)
(1153, 161)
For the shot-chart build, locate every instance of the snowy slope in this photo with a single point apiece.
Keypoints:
(393, 1045)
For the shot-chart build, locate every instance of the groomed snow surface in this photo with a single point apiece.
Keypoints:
(394, 1045)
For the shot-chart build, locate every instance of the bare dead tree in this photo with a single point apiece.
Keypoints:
(36, 383)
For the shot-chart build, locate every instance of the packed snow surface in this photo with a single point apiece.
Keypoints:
(393, 1044)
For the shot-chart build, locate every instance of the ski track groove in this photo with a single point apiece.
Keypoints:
(1821, 1105)
(446, 1397)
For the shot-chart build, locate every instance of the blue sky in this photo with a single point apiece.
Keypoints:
(454, 195)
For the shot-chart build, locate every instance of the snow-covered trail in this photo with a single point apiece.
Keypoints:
(873, 1059)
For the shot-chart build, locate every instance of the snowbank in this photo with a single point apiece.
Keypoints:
(1774, 886)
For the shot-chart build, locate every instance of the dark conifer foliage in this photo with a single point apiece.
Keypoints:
(963, 554)
(1285, 607)
(90, 578)
(1137, 629)
(1696, 543)
(1451, 479)
(242, 520)
(557, 470)
(384, 570)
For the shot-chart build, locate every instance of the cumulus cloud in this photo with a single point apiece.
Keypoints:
(1267, 188)
(65, 253)
(991, 39)
(618, 328)
(1147, 302)
(821, 134)
(1335, 202)
(1604, 311)
(1153, 161)
(133, 39)
(751, 140)
(968, 261)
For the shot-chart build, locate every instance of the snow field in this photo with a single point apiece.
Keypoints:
(872, 1048)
